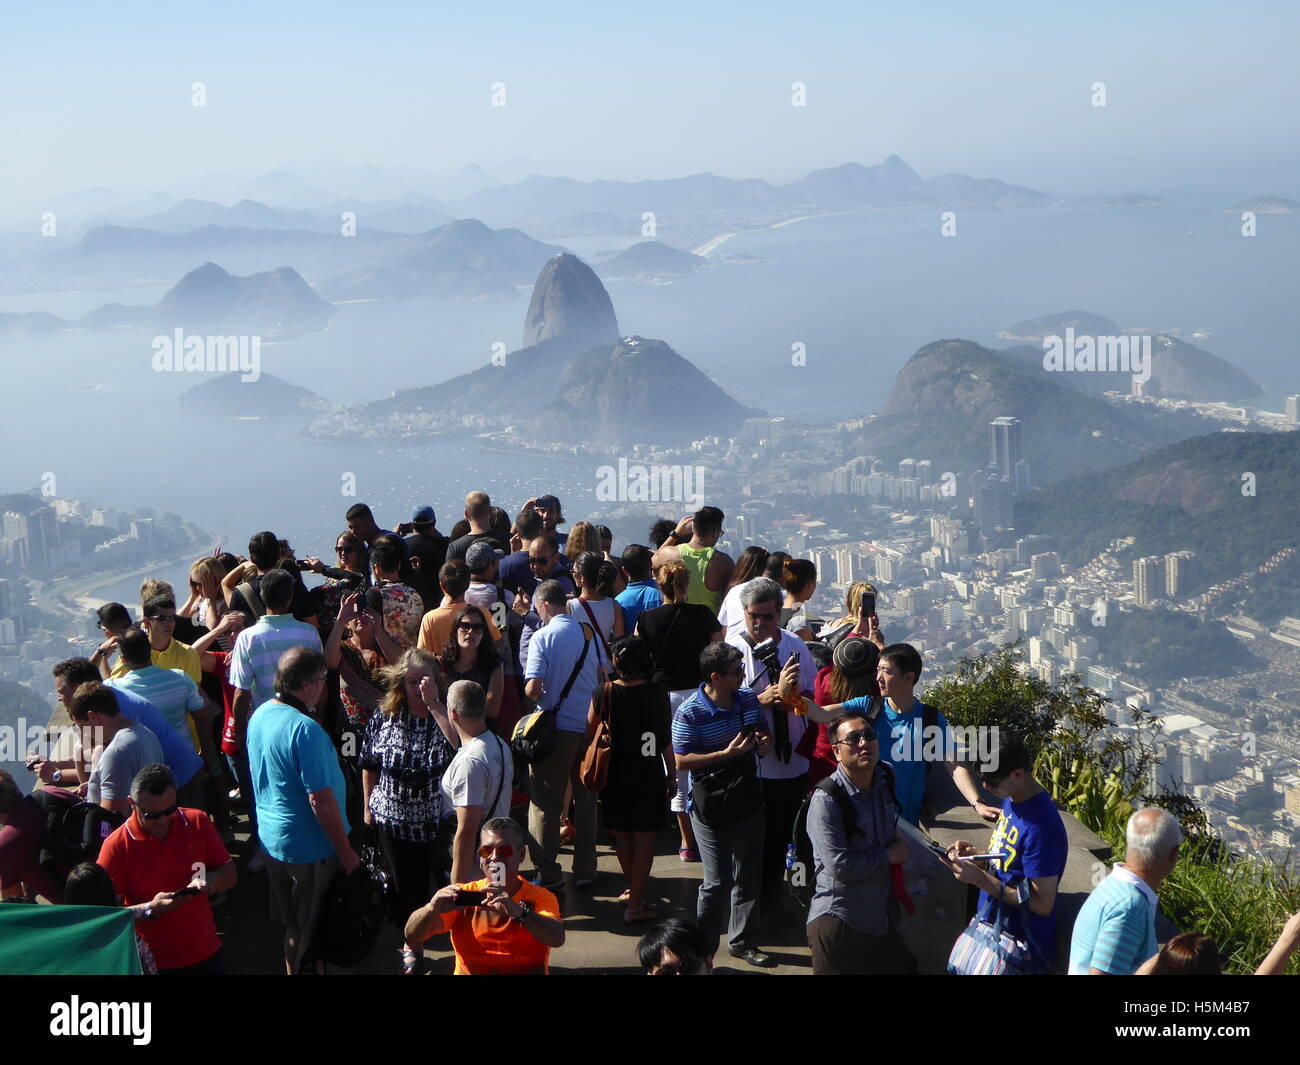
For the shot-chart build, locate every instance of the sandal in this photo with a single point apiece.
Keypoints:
(627, 894)
(647, 912)
(410, 962)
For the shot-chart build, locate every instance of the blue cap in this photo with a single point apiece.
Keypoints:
(424, 515)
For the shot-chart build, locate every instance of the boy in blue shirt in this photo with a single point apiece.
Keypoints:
(1030, 837)
(904, 742)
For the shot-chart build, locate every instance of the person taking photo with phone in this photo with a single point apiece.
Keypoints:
(500, 925)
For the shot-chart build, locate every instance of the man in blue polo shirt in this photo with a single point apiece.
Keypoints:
(641, 593)
(298, 790)
(1115, 931)
(561, 672)
(719, 724)
(1030, 836)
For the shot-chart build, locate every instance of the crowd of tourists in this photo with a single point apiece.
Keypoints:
(460, 712)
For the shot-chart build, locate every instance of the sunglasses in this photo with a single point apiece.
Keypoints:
(739, 671)
(533, 560)
(164, 618)
(466, 627)
(345, 550)
(501, 850)
(761, 617)
(154, 815)
(857, 739)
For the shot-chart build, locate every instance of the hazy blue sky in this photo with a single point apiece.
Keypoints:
(1201, 97)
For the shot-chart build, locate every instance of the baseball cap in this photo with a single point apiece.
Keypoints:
(424, 515)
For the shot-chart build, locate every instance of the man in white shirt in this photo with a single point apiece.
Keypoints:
(783, 770)
(477, 783)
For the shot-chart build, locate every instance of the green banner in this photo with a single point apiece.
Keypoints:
(67, 941)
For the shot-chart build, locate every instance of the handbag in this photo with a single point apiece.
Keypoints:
(594, 771)
(533, 739)
(985, 949)
(728, 794)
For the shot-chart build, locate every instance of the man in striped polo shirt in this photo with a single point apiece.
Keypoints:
(1115, 931)
(173, 693)
(720, 727)
(253, 662)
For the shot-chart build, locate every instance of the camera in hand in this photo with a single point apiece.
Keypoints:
(465, 897)
(766, 652)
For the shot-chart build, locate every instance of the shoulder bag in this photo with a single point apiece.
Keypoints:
(594, 772)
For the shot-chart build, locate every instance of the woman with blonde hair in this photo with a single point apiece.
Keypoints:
(582, 538)
(861, 619)
(206, 603)
(676, 633)
(408, 745)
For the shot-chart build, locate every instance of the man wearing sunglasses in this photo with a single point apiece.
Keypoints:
(852, 921)
(500, 925)
(161, 851)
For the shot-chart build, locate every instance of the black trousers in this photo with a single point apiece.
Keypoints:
(418, 870)
(837, 950)
(781, 801)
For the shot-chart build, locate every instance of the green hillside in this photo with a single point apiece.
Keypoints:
(1187, 496)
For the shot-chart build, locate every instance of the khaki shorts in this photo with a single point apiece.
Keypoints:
(297, 896)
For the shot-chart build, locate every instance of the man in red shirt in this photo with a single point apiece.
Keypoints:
(163, 850)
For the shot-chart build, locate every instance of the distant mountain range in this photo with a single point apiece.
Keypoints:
(1179, 370)
(945, 396)
(892, 183)
(574, 375)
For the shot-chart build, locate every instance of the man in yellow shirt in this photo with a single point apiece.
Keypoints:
(500, 925)
(159, 621)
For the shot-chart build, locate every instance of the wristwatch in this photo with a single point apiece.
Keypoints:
(149, 912)
(56, 776)
(527, 907)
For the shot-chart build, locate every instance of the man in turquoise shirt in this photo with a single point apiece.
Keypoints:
(298, 790)
(1115, 931)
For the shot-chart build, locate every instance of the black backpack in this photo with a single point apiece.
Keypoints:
(74, 831)
(800, 862)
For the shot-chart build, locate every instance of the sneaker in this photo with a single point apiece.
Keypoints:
(257, 863)
(688, 854)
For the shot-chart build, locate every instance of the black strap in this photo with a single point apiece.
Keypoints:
(586, 643)
(501, 782)
(782, 747)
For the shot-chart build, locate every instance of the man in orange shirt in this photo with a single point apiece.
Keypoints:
(165, 862)
(500, 925)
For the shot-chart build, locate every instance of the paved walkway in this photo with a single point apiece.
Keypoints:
(598, 941)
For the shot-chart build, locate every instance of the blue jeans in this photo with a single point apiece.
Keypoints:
(733, 861)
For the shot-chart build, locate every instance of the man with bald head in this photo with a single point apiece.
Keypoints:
(478, 512)
(1115, 931)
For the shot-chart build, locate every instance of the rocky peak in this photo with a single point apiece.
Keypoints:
(569, 301)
